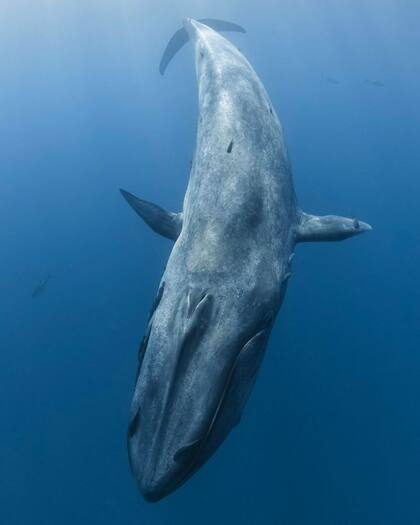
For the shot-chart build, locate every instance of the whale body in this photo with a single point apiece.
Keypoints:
(226, 276)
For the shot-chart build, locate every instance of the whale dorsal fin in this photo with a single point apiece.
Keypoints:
(180, 38)
(161, 221)
(317, 228)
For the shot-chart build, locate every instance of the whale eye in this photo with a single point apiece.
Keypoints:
(229, 149)
(356, 224)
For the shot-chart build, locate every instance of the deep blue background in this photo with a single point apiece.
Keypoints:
(331, 433)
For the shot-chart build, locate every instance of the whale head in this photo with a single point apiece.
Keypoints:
(199, 363)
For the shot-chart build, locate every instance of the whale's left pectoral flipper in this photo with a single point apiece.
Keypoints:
(161, 221)
(316, 228)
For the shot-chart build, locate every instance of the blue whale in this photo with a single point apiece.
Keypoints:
(226, 276)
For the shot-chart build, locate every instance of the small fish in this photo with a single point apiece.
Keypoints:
(331, 80)
(376, 83)
(39, 288)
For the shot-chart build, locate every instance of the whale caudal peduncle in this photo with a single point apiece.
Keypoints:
(180, 38)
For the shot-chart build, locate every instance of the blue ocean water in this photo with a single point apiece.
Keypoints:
(331, 433)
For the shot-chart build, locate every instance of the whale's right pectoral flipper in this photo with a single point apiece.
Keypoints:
(317, 228)
(161, 221)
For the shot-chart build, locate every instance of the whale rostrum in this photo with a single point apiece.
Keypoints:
(227, 274)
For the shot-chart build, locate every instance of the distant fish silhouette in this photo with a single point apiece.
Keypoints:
(39, 288)
(331, 80)
(376, 83)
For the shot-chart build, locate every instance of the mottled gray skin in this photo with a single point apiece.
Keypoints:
(226, 276)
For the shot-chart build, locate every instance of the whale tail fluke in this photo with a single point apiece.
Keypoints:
(180, 38)
(316, 228)
(161, 221)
